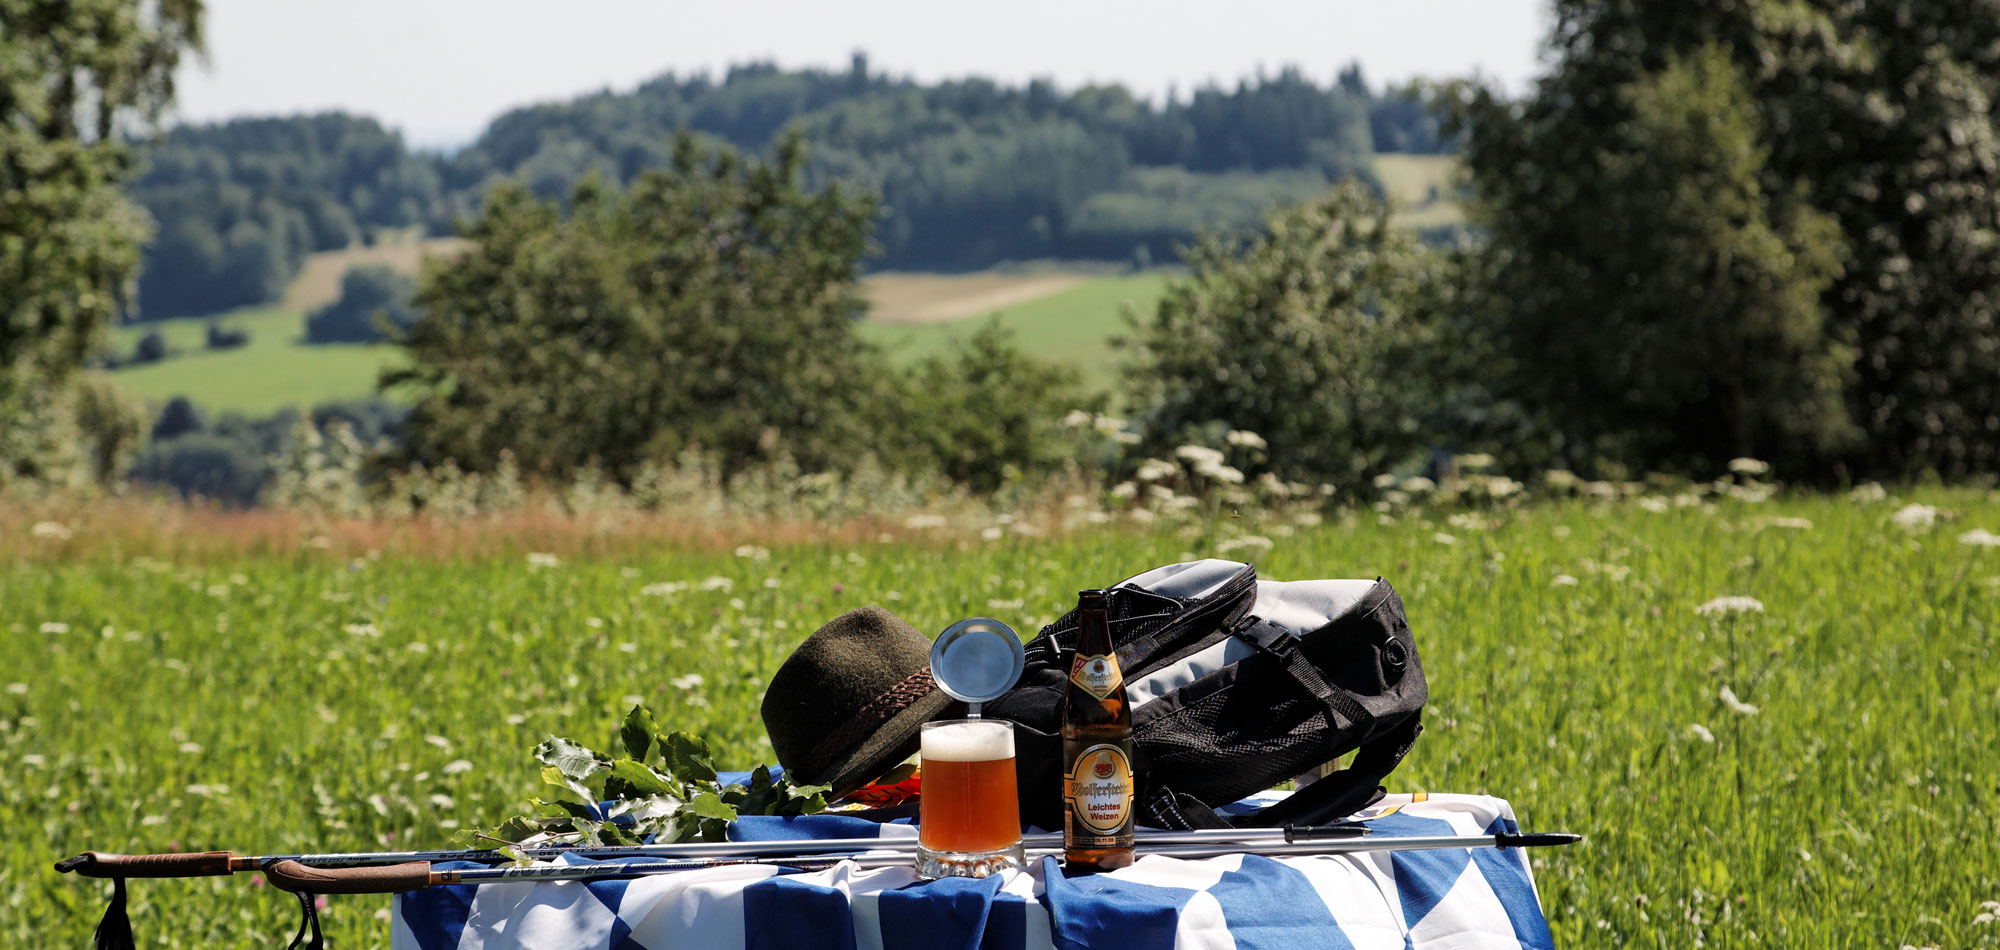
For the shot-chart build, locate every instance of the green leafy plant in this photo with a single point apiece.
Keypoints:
(664, 787)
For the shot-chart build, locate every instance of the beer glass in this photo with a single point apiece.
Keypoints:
(969, 818)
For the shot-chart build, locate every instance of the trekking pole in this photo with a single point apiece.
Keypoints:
(215, 863)
(294, 876)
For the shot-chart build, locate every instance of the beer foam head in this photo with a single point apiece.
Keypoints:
(969, 741)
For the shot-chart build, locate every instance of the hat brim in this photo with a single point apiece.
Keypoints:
(893, 742)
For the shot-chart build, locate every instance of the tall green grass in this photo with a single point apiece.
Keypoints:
(306, 702)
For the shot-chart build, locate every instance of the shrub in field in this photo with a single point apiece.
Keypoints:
(1311, 335)
(710, 304)
(372, 298)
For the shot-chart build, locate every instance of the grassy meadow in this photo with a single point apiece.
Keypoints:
(1817, 773)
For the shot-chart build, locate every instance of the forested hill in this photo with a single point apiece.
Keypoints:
(970, 172)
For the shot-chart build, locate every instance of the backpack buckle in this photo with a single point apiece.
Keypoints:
(1268, 637)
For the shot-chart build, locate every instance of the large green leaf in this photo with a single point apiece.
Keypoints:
(637, 731)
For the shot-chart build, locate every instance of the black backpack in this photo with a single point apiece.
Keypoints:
(1236, 685)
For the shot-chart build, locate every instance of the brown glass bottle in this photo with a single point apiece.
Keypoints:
(1097, 747)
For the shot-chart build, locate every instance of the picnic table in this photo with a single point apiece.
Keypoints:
(1410, 900)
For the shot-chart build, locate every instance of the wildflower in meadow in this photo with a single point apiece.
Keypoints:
(924, 522)
(1076, 419)
(540, 559)
(456, 766)
(17, 689)
(1255, 543)
(1914, 517)
(998, 604)
(1658, 506)
(1559, 479)
(439, 741)
(991, 533)
(1701, 732)
(1443, 538)
(52, 626)
(689, 681)
(1153, 470)
(1793, 524)
(1980, 538)
(1563, 580)
(1749, 466)
(1244, 437)
(753, 552)
(1869, 493)
(363, 629)
(663, 588)
(1728, 697)
(1198, 455)
(52, 530)
(717, 583)
(1726, 605)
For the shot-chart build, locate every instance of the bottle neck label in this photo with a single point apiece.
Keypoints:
(1097, 675)
(1100, 790)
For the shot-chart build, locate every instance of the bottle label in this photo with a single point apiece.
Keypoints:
(1097, 675)
(1099, 790)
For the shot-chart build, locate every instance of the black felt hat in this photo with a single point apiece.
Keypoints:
(849, 702)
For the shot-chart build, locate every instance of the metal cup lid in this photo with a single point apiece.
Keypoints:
(977, 660)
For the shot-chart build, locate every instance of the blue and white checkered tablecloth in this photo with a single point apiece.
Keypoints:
(1415, 900)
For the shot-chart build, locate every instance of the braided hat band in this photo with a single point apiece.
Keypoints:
(865, 720)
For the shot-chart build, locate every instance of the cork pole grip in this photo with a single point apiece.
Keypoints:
(387, 879)
(187, 864)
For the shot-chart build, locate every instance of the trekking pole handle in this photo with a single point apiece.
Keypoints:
(183, 864)
(385, 879)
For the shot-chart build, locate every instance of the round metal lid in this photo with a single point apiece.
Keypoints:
(977, 660)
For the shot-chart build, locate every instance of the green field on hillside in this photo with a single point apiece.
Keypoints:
(1814, 771)
(1423, 188)
(1056, 315)
(274, 370)
(1074, 326)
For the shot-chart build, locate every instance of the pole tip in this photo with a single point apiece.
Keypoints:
(1536, 839)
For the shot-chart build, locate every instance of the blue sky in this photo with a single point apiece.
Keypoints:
(440, 69)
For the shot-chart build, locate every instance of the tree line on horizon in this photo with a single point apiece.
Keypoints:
(971, 172)
(1715, 229)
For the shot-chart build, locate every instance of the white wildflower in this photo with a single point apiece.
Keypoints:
(1499, 486)
(1076, 419)
(1418, 485)
(992, 533)
(151, 820)
(1724, 605)
(632, 699)
(216, 790)
(456, 766)
(1869, 493)
(923, 522)
(191, 748)
(1701, 732)
(1914, 517)
(1245, 437)
(663, 589)
(1125, 438)
(515, 719)
(1221, 473)
(689, 681)
(439, 741)
(594, 623)
(771, 583)
(717, 583)
(628, 573)
(1385, 480)
(1473, 461)
(1749, 466)
(1198, 455)
(539, 559)
(998, 604)
(1155, 469)
(17, 689)
(54, 530)
(1109, 425)
(1658, 506)
(1250, 542)
(54, 627)
(1728, 697)
(363, 629)
(753, 552)
(33, 759)
(1124, 491)
(442, 801)
(1794, 524)
(1980, 538)
(1443, 538)
(628, 647)
(1563, 580)
(417, 646)
(1559, 479)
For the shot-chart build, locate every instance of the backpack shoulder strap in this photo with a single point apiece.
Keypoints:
(1347, 791)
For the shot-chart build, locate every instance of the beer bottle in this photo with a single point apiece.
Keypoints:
(1097, 747)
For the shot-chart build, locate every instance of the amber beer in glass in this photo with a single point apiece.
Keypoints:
(969, 818)
(1097, 747)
